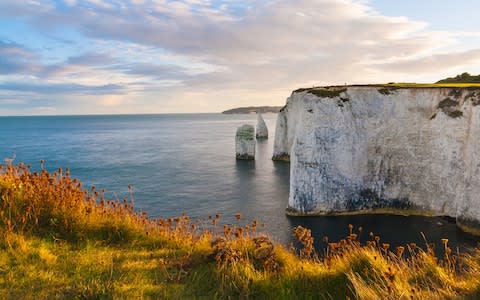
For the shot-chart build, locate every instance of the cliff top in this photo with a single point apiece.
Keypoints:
(464, 80)
(402, 85)
(335, 90)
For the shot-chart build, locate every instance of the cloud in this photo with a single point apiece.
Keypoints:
(240, 51)
(432, 63)
(15, 59)
(57, 88)
(91, 59)
(268, 44)
(157, 72)
(101, 3)
(11, 101)
(70, 2)
(91, 73)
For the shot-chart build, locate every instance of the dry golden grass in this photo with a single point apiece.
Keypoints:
(60, 241)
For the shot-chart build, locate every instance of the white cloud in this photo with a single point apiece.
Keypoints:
(433, 63)
(210, 57)
(101, 3)
(70, 2)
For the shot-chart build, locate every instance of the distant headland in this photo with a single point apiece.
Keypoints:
(253, 109)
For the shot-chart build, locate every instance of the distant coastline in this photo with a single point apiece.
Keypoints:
(253, 109)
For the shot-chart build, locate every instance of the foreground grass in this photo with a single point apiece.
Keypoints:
(59, 241)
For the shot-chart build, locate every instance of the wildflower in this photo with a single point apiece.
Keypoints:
(412, 246)
(399, 251)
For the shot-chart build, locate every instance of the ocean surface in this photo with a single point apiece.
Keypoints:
(186, 164)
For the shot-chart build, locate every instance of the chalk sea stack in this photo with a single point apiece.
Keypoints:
(245, 142)
(262, 130)
(382, 149)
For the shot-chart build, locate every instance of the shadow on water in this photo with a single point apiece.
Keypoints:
(245, 170)
(262, 155)
(245, 187)
(392, 229)
(282, 172)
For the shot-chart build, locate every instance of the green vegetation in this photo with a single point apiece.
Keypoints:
(388, 88)
(387, 91)
(327, 92)
(449, 107)
(462, 78)
(281, 157)
(246, 132)
(430, 85)
(58, 240)
(447, 103)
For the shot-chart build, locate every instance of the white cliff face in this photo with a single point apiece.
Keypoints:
(245, 142)
(262, 130)
(365, 149)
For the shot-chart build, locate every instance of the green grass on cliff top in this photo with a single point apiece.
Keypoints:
(337, 89)
(400, 85)
(430, 85)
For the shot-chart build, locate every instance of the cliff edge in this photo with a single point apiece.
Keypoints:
(383, 149)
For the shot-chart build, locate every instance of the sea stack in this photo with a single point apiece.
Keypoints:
(245, 142)
(262, 130)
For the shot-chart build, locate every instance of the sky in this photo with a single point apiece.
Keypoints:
(69, 57)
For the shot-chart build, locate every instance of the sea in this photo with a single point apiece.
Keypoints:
(185, 164)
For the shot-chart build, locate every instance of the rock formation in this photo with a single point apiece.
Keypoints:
(245, 142)
(367, 149)
(262, 130)
(253, 109)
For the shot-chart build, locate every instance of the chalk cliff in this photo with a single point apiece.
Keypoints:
(262, 130)
(366, 149)
(245, 142)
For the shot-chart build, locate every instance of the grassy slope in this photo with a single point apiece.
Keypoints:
(59, 241)
(431, 85)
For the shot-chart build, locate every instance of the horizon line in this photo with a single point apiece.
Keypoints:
(109, 114)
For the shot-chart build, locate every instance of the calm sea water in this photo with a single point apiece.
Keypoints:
(186, 164)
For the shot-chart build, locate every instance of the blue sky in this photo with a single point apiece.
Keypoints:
(164, 56)
(447, 15)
